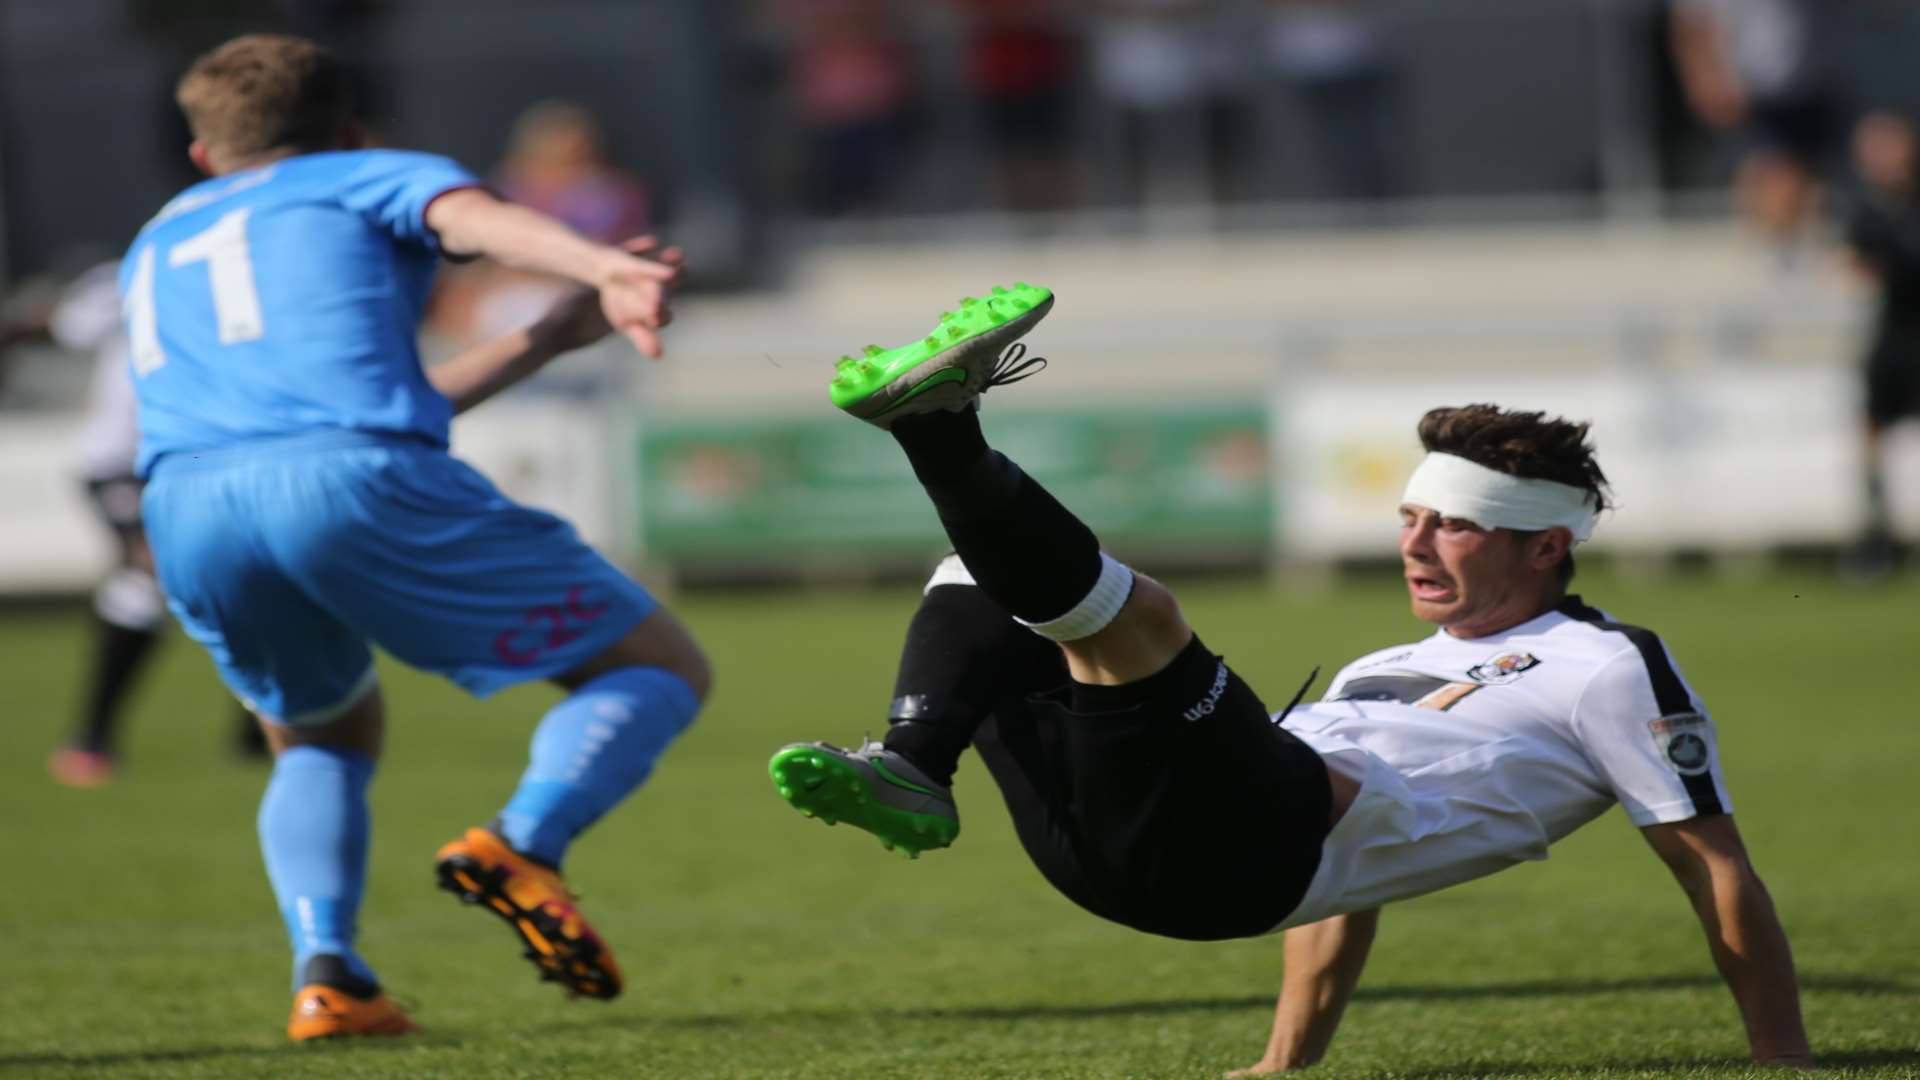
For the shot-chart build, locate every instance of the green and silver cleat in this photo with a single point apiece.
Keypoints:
(872, 788)
(949, 368)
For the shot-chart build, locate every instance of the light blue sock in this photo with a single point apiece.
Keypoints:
(590, 752)
(314, 825)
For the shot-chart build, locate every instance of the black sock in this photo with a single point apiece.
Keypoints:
(119, 655)
(330, 970)
(1026, 550)
(964, 655)
(1879, 515)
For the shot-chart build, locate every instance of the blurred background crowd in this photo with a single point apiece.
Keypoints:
(743, 114)
(1245, 203)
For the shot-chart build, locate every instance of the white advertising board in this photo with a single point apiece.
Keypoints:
(554, 454)
(50, 539)
(1718, 458)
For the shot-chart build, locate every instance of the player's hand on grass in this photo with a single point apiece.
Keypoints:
(635, 289)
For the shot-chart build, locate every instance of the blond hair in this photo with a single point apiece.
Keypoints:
(263, 93)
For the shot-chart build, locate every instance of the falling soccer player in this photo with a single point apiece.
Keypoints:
(1151, 786)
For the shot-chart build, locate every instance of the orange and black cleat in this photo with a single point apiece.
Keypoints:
(480, 868)
(325, 1012)
(335, 1002)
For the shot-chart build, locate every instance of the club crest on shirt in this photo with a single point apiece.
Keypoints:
(1683, 741)
(1503, 668)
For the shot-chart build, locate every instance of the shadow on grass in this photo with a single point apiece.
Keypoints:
(1843, 1059)
(286, 1054)
(1825, 984)
(1845, 984)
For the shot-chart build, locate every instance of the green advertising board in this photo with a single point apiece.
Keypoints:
(1181, 484)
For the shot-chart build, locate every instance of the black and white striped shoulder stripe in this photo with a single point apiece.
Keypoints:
(1669, 692)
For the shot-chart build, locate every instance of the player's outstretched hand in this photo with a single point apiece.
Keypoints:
(635, 289)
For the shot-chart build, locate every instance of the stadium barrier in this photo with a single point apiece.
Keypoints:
(1722, 458)
(1718, 458)
(817, 495)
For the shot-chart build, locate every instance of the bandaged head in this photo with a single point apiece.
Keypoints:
(1454, 487)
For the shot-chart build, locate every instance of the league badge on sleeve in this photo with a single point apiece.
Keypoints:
(1503, 669)
(1685, 740)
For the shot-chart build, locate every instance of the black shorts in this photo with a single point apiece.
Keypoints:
(1186, 812)
(1893, 378)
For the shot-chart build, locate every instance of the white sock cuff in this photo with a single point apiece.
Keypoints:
(131, 600)
(1098, 608)
(951, 571)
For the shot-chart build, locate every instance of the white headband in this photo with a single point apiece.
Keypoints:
(1455, 487)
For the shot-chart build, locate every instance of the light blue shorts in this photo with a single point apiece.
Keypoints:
(286, 557)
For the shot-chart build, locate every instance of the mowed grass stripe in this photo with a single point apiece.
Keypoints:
(141, 939)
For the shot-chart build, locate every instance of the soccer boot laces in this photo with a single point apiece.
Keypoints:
(951, 367)
(872, 788)
(480, 868)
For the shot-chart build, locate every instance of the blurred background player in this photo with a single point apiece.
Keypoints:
(1762, 69)
(1021, 62)
(301, 505)
(1884, 236)
(128, 607)
(849, 74)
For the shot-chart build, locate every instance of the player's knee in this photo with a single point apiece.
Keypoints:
(361, 726)
(659, 641)
(694, 668)
(1152, 608)
(671, 646)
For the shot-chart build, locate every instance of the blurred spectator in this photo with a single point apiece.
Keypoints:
(1884, 234)
(1330, 52)
(129, 609)
(1170, 73)
(557, 162)
(1761, 67)
(1021, 63)
(853, 91)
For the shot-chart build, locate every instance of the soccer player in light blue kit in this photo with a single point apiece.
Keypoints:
(302, 505)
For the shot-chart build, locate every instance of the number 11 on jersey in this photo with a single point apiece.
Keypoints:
(236, 301)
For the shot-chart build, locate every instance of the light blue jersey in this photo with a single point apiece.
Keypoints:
(286, 299)
(300, 500)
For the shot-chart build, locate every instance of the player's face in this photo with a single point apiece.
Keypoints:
(1469, 580)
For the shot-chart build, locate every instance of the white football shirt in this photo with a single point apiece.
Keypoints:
(1475, 754)
(87, 320)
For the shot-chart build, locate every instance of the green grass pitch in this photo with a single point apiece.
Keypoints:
(138, 936)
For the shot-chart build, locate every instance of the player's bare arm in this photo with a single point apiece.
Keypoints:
(1323, 965)
(575, 321)
(633, 290)
(1749, 946)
